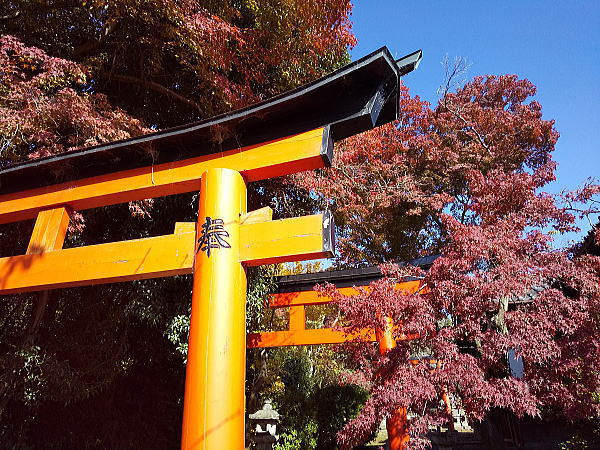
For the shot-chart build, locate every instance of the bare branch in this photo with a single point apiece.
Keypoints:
(455, 77)
(153, 86)
(455, 74)
(11, 16)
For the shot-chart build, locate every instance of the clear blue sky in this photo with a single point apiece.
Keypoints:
(556, 45)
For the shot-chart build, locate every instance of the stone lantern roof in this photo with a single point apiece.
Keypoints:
(266, 413)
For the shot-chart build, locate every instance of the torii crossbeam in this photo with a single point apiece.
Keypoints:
(289, 133)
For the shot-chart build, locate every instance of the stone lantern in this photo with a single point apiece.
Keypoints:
(264, 422)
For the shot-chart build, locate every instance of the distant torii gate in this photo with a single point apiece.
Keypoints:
(296, 292)
(289, 133)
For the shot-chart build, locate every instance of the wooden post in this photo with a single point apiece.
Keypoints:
(397, 424)
(213, 416)
(48, 234)
(297, 318)
(49, 231)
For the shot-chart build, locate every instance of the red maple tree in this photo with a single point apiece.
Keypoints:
(175, 61)
(463, 179)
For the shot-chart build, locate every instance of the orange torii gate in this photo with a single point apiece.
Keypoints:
(289, 133)
(296, 292)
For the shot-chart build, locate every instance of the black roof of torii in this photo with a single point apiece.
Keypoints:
(343, 278)
(364, 276)
(355, 98)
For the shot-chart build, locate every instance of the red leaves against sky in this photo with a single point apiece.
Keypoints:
(463, 179)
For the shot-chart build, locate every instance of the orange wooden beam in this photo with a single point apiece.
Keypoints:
(297, 318)
(104, 263)
(297, 153)
(313, 337)
(306, 337)
(49, 231)
(257, 216)
(261, 243)
(285, 299)
(295, 239)
(306, 298)
(298, 335)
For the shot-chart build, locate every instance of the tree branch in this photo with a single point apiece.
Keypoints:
(454, 72)
(153, 86)
(11, 16)
(468, 126)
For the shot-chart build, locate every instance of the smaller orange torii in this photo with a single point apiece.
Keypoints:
(296, 292)
(298, 334)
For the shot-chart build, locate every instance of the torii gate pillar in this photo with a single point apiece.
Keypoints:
(213, 415)
(396, 424)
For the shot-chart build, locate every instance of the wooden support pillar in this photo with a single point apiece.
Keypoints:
(49, 231)
(213, 416)
(48, 234)
(397, 424)
(297, 318)
(448, 408)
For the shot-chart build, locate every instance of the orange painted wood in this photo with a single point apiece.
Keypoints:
(285, 299)
(49, 231)
(297, 318)
(281, 157)
(298, 335)
(306, 337)
(397, 423)
(279, 240)
(448, 408)
(104, 263)
(257, 216)
(285, 240)
(397, 429)
(313, 337)
(185, 227)
(385, 337)
(266, 241)
(214, 401)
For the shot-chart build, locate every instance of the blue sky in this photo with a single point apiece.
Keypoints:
(556, 45)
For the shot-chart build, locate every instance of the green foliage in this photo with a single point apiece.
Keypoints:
(288, 440)
(574, 443)
(31, 372)
(261, 283)
(92, 372)
(177, 332)
(586, 436)
(335, 406)
(307, 394)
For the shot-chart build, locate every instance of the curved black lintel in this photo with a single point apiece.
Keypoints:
(354, 98)
(362, 276)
